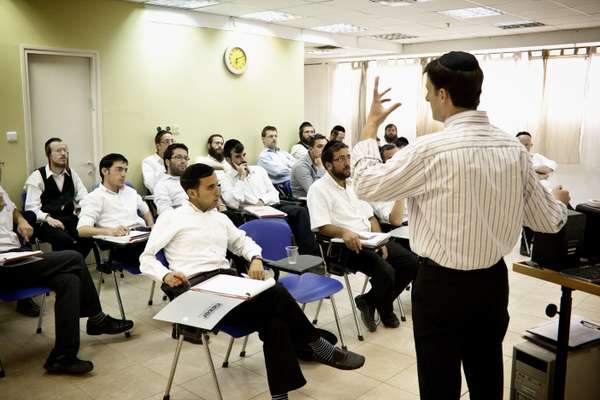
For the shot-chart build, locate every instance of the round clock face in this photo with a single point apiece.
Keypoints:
(235, 60)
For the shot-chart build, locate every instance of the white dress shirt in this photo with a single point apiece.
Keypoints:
(278, 164)
(539, 160)
(182, 233)
(470, 188)
(213, 162)
(383, 209)
(168, 193)
(298, 151)
(35, 187)
(256, 186)
(104, 208)
(153, 168)
(329, 203)
(8, 238)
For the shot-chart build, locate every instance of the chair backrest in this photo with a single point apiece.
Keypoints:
(271, 234)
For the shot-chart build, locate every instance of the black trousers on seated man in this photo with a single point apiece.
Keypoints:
(280, 323)
(67, 275)
(59, 239)
(299, 221)
(460, 316)
(389, 277)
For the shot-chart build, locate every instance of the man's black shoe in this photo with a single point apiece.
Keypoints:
(390, 321)
(109, 326)
(28, 307)
(343, 359)
(367, 312)
(70, 365)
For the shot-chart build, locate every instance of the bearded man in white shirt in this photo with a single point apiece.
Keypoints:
(194, 256)
(112, 209)
(168, 193)
(215, 157)
(470, 188)
(153, 167)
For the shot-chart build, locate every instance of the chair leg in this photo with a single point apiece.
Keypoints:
(402, 314)
(316, 318)
(2, 373)
(212, 366)
(226, 361)
(243, 352)
(354, 313)
(39, 325)
(100, 281)
(303, 307)
(167, 395)
(337, 322)
(150, 300)
(364, 288)
(118, 293)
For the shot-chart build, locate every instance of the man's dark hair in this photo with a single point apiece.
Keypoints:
(47, 148)
(192, 175)
(523, 133)
(160, 132)
(301, 129)
(108, 161)
(389, 126)
(266, 129)
(460, 75)
(313, 139)
(401, 142)
(330, 148)
(171, 149)
(232, 145)
(338, 128)
(386, 147)
(211, 137)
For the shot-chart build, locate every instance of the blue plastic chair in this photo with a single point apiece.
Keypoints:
(273, 235)
(233, 331)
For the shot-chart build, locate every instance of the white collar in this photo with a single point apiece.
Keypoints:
(50, 172)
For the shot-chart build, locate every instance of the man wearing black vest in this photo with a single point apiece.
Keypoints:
(52, 192)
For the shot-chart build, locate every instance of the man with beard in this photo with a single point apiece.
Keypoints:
(305, 131)
(153, 167)
(278, 163)
(336, 212)
(215, 158)
(390, 134)
(168, 193)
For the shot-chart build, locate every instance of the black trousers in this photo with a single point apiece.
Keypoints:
(299, 221)
(67, 275)
(67, 239)
(280, 324)
(129, 254)
(460, 316)
(388, 277)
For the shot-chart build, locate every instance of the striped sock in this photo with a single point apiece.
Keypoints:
(283, 396)
(97, 319)
(322, 349)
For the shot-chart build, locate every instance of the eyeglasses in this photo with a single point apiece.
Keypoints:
(342, 158)
(179, 158)
(167, 141)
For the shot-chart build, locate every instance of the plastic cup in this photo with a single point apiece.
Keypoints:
(292, 254)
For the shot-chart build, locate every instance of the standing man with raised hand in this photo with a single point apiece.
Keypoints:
(470, 188)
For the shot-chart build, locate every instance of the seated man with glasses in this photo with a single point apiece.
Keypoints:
(336, 211)
(168, 193)
(153, 167)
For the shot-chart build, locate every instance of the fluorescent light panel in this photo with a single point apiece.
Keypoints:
(398, 3)
(340, 28)
(473, 12)
(519, 24)
(393, 36)
(271, 16)
(187, 4)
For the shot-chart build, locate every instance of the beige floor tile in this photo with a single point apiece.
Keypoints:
(382, 363)
(388, 392)
(406, 380)
(236, 383)
(333, 384)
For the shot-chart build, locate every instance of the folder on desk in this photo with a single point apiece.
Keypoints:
(14, 258)
(580, 333)
(131, 237)
(370, 240)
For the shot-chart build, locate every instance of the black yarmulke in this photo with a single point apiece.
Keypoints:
(459, 61)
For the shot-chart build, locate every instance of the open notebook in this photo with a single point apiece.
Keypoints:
(132, 237)
(264, 212)
(371, 239)
(208, 302)
(12, 258)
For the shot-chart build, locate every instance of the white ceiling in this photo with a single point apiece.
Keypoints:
(422, 19)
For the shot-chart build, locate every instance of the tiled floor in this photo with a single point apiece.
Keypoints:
(137, 368)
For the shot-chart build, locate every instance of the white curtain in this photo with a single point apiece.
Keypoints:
(590, 131)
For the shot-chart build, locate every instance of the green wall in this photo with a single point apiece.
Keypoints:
(151, 74)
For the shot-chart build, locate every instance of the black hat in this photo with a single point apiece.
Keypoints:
(459, 61)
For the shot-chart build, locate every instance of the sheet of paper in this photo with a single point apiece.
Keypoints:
(229, 285)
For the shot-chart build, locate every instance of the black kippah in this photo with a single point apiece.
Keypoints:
(459, 61)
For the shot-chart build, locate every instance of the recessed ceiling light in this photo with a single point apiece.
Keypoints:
(393, 36)
(271, 16)
(340, 28)
(474, 12)
(188, 4)
(326, 49)
(397, 3)
(519, 24)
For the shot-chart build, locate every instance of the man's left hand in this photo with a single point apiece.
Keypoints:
(25, 230)
(256, 270)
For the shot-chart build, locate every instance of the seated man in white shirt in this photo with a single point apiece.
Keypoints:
(248, 185)
(336, 211)
(153, 167)
(305, 131)
(194, 256)
(67, 275)
(112, 209)
(53, 191)
(277, 162)
(390, 212)
(168, 193)
(543, 166)
(215, 157)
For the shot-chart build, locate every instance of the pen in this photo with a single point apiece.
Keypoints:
(590, 325)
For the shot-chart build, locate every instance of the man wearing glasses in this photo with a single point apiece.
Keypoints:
(153, 167)
(168, 193)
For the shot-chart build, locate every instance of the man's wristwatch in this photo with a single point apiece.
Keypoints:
(256, 258)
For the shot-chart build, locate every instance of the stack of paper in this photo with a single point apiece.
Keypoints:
(131, 237)
(12, 257)
(234, 286)
(369, 239)
(264, 212)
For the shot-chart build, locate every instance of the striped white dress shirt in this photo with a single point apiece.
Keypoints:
(470, 188)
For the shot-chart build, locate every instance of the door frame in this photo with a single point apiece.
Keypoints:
(94, 58)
